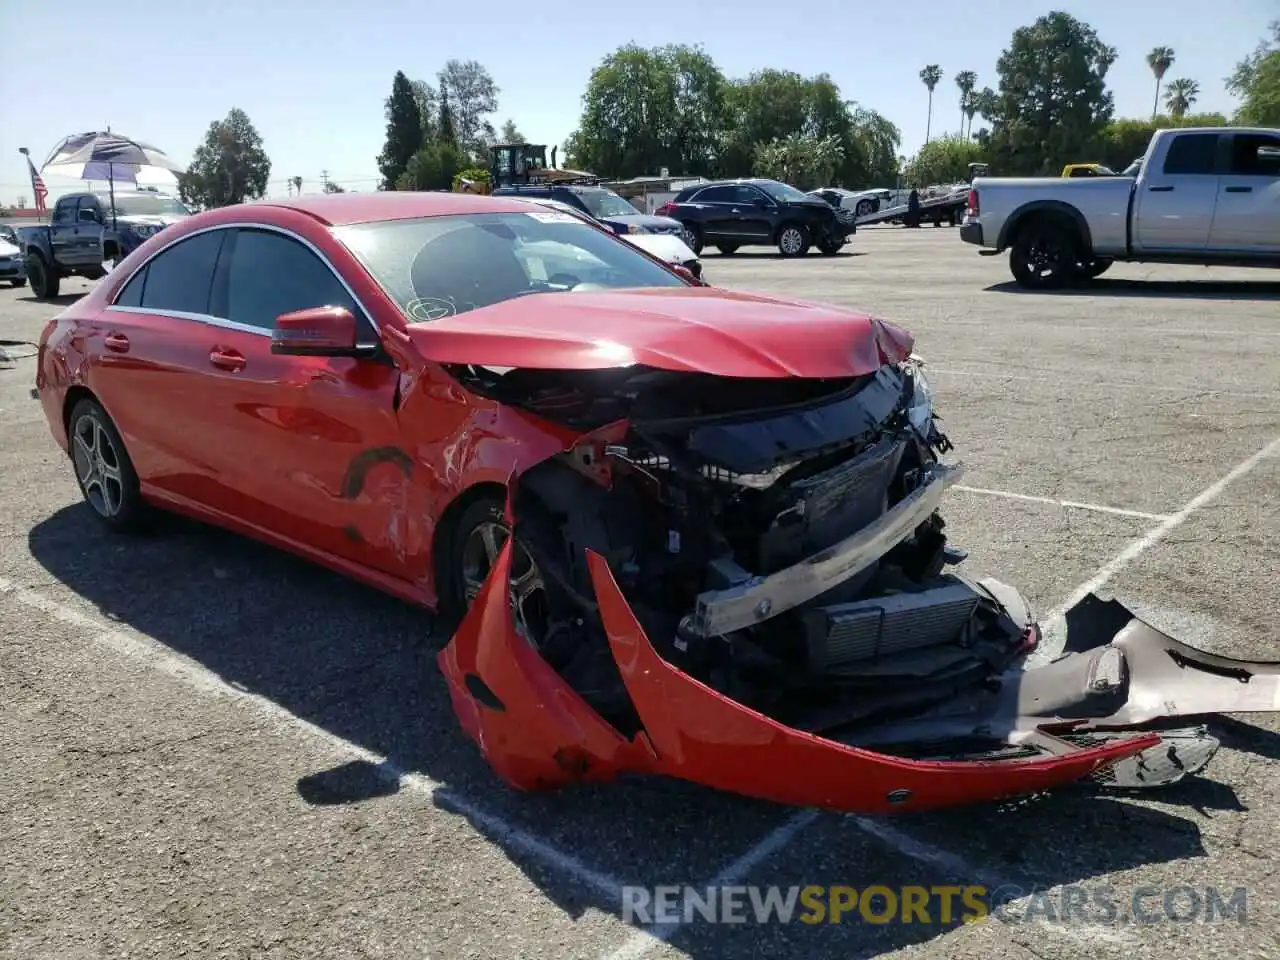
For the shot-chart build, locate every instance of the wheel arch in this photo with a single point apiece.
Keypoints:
(446, 532)
(75, 393)
(1040, 211)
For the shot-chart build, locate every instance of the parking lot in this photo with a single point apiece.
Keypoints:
(212, 749)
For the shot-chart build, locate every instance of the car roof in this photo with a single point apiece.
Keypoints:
(342, 209)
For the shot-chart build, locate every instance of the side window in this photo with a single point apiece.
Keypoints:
(179, 279)
(1194, 153)
(1255, 155)
(748, 196)
(90, 204)
(131, 295)
(65, 211)
(271, 274)
(715, 195)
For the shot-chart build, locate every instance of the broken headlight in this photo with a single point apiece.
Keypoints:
(920, 401)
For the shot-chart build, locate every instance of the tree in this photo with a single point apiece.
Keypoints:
(1256, 81)
(1160, 59)
(945, 160)
(802, 161)
(877, 141)
(474, 96)
(1053, 99)
(930, 76)
(510, 134)
(446, 129)
(968, 107)
(1179, 95)
(331, 187)
(424, 95)
(644, 109)
(432, 168)
(404, 131)
(966, 80)
(229, 167)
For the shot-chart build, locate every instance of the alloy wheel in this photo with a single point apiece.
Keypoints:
(791, 241)
(97, 465)
(528, 589)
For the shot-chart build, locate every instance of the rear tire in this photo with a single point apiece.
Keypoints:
(19, 283)
(44, 278)
(693, 237)
(793, 240)
(103, 469)
(1044, 256)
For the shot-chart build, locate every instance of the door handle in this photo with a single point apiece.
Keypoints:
(1239, 189)
(116, 342)
(1161, 189)
(735, 210)
(226, 359)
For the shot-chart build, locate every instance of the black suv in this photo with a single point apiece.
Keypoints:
(729, 214)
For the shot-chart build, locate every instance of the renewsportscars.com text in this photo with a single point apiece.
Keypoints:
(940, 904)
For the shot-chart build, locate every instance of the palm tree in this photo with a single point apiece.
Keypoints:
(1159, 60)
(966, 80)
(1179, 95)
(969, 105)
(930, 76)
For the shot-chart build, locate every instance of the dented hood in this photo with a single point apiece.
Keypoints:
(694, 329)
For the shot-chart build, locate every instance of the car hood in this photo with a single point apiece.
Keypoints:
(645, 221)
(7, 249)
(690, 329)
(151, 220)
(664, 246)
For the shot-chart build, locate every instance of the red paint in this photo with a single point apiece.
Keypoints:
(701, 329)
(221, 429)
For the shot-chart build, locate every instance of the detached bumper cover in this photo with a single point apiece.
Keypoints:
(537, 733)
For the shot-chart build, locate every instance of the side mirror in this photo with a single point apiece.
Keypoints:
(315, 332)
(761, 202)
(87, 216)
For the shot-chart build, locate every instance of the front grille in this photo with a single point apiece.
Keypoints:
(847, 633)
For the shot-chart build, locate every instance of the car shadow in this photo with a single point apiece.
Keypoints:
(362, 667)
(1184, 289)
(61, 300)
(765, 254)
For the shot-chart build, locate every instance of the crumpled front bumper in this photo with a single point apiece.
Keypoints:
(537, 733)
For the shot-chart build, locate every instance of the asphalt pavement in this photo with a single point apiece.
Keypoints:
(208, 748)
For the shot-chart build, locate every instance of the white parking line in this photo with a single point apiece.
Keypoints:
(1073, 504)
(160, 658)
(636, 947)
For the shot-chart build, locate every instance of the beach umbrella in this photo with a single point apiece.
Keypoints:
(87, 156)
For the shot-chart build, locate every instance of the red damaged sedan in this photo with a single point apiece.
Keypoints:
(685, 531)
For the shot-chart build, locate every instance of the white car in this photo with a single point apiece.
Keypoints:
(13, 266)
(665, 246)
(863, 203)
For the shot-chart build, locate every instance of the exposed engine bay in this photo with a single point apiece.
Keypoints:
(780, 542)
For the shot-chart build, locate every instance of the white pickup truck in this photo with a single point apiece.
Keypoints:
(1200, 195)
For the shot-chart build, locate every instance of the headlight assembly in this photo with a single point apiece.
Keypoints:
(920, 404)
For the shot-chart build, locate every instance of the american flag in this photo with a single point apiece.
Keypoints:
(38, 188)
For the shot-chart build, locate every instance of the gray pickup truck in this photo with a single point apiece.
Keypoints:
(1200, 195)
(88, 231)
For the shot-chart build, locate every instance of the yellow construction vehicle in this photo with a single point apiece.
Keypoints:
(513, 163)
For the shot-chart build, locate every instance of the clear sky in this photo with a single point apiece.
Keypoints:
(313, 76)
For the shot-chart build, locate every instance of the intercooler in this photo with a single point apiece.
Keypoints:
(853, 633)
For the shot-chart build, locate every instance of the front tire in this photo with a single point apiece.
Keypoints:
(478, 536)
(829, 248)
(44, 278)
(793, 240)
(104, 472)
(1044, 256)
(19, 283)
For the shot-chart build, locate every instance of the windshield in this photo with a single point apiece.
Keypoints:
(780, 191)
(145, 206)
(8, 233)
(442, 266)
(605, 203)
